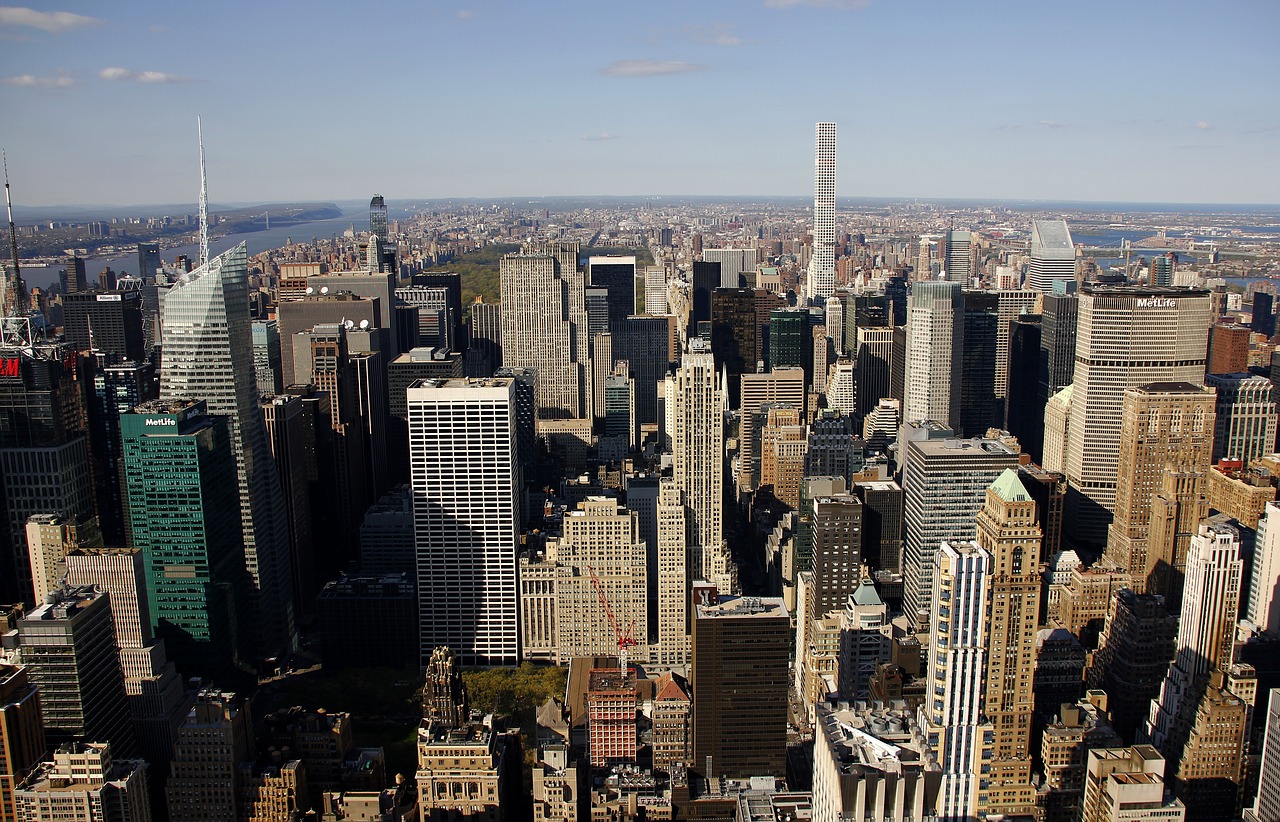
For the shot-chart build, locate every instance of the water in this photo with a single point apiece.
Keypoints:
(257, 242)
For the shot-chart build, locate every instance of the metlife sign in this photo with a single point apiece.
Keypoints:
(1155, 302)
(160, 421)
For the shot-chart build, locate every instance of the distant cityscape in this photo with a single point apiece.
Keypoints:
(638, 509)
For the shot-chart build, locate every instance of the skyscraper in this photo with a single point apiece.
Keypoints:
(935, 336)
(1165, 427)
(184, 517)
(1053, 255)
(837, 551)
(378, 217)
(736, 265)
(83, 782)
(466, 482)
(1128, 336)
(674, 576)
(1057, 341)
(944, 482)
(116, 389)
(1245, 424)
(21, 733)
(544, 325)
(106, 322)
(821, 282)
(617, 275)
(957, 265)
(215, 738)
(208, 345)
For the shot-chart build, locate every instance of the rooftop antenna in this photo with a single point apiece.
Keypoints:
(204, 201)
(15, 292)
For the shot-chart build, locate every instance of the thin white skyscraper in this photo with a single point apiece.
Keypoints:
(1053, 255)
(696, 396)
(466, 485)
(935, 335)
(208, 354)
(821, 282)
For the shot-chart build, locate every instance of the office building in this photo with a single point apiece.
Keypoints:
(1128, 336)
(1133, 656)
(83, 782)
(870, 764)
(655, 290)
(1165, 427)
(959, 249)
(837, 534)
(1206, 631)
(378, 286)
(735, 335)
(1245, 424)
(874, 368)
(737, 265)
(484, 333)
(1228, 349)
(1011, 537)
(68, 646)
(821, 280)
(320, 306)
(842, 388)
(790, 341)
(116, 389)
(21, 733)
(674, 576)
(205, 778)
(544, 325)
(953, 718)
(833, 449)
(411, 366)
(368, 621)
(301, 442)
(834, 323)
(466, 483)
(695, 394)
(1073, 731)
(1267, 804)
(1024, 412)
(932, 367)
(740, 651)
(617, 275)
(978, 364)
(647, 347)
(1127, 785)
(944, 482)
(267, 363)
(783, 450)
(109, 323)
(672, 722)
(612, 706)
(784, 387)
(1263, 319)
(1162, 269)
(184, 517)
(445, 288)
(44, 453)
(208, 347)
(386, 535)
(1053, 255)
(75, 276)
(1058, 317)
(50, 537)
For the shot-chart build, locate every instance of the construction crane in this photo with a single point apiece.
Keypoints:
(625, 640)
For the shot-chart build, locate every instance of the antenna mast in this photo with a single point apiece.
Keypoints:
(15, 292)
(204, 200)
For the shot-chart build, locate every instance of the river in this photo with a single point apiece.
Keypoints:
(257, 241)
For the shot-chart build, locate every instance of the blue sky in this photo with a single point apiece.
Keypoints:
(1126, 101)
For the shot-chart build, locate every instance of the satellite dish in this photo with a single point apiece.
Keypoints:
(310, 290)
(364, 324)
(324, 289)
(349, 324)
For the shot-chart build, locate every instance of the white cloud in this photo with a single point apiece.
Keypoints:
(1203, 125)
(649, 68)
(599, 138)
(465, 14)
(1051, 124)
(54, 22)
(157, 29)
(818, 4)
(152, 77)
(61, 80)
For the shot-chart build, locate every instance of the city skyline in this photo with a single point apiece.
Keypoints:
(1069, 129)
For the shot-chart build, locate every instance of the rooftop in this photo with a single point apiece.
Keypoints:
(1009, 488)
(744, 608)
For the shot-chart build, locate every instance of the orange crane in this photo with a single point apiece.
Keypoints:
(625, 640)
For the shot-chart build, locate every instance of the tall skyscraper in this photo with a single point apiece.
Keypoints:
(1024, 412)
(214, 739)
(1267, 805)
(184, 517)
(696, 396)
(1057, 341)
(208, 345)
(378, 217)
(874, 368)
(978, 364)
(617, 275)
(837, 551)
(737, 265)
(674, 576)
(821, 281)
(740, 650)
(1009, 533)
(735, 335)
(952, 717)
(44, 452)
(544, 325)
(1128, 336)
(83, 782)
(1053, 255)
(116, 389)
(1165, 427)
(1245, 423)
(935, 336)
(1133, 656)
(106, 322)
(466, 483)
(267, 359)
(485, 332)
(944, 482)
(957, 265)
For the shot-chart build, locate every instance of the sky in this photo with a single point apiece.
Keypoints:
(1132, 101)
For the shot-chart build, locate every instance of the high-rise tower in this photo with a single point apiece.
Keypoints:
(208, 345)
(822, 265)
(466, 482)
(1053, 255)
(935, 336)
(1127, 336)
(378, 217)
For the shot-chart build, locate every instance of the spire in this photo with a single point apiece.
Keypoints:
(204, 201)
(15, 291)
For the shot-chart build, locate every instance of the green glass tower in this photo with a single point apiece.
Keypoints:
(790, 343)
(184, 510)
